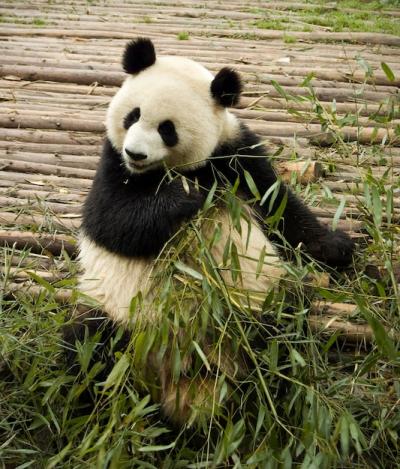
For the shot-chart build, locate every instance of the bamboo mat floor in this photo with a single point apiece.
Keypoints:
(60, 64)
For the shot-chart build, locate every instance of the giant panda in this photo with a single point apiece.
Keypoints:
(171, 140)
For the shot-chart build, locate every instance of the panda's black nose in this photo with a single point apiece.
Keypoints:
(135, 156)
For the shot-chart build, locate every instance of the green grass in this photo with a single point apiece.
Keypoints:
(352, 21)
(363, 16)
(39, 22)
(271, 24)
(288, 39)
(183, 36)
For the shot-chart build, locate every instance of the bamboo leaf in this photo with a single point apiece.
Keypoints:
(118, 372)
(188, 270)
(298, 358)
(201, 355)
(209, 200)
(41, 281)
(338, 213)
(279, 89)
(260, 262)
(252, 185)
(388, 71)
(156, 448)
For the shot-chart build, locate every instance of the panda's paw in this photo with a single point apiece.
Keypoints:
(334, 248)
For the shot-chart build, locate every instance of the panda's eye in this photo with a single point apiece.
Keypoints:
(168, 133)
(131, 118)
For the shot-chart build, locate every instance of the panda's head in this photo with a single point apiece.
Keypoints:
(170, 111)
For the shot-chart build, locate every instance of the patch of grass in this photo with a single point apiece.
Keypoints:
(39, 22)
(183, 36)
(16, 20)
(363, 20)
(232, 24)
(147, 20)
(271, 24)
(288, 39)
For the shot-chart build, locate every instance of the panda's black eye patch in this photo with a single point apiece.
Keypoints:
(168, 133)
(131, 118)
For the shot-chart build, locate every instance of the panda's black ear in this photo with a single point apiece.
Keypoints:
(226, 87)
(139, 54)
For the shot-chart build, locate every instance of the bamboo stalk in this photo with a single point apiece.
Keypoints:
(323, 70)
(55, 160)
(11, 218)
(59, 151)
(50, 180)
(284, 129)
(32, 261)
(38, 242)
(46, 169)
(63, 75)
(61, 295)
(23, 274)
(305, 171)
(81, 125)
(44, 137)
(352, 332)
(38, 204)
(39, 193)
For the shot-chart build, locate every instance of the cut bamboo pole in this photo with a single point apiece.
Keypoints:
(310, 131)
(45, 180)
(38, 242)
(348, 330)
(58, 150)
(46, 169)
(61, 295)
(22, 274)
(32, 261)
(83, 77)
(304, 171)
(43, 221)
(38, 204)
(42, 194)
(17, 121)
(43, 137)
(143, 29)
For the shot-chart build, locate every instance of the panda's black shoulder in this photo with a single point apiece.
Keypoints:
(229, 160)
(246, 142)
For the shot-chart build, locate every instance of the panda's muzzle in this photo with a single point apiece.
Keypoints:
(135, 156)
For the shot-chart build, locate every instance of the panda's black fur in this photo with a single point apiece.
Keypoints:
(132, 214)
(135, 215)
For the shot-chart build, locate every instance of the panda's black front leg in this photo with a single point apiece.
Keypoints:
(298, 224)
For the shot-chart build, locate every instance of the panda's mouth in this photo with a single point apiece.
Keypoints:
(141, 167)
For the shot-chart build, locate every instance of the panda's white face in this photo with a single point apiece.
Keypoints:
(166, 116)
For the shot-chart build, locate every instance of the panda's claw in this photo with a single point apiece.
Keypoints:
(334, 248)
